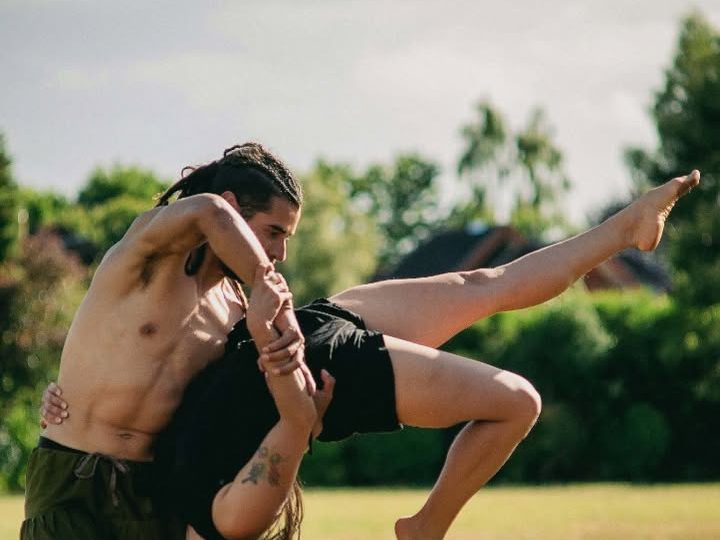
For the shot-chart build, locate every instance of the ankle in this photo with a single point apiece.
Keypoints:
(624, 228)
(412, 528)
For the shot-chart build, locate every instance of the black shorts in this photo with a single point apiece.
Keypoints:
(227, 410)
(364, 396)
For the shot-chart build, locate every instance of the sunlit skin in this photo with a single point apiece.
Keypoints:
(437, 389)
(133, 347)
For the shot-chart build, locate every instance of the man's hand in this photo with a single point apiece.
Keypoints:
(269, 295)
(53, 409)
(286, 346)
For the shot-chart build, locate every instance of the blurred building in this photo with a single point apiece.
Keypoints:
(486, 247)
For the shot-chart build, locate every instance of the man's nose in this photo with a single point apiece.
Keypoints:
(282, 253)
(278, 253)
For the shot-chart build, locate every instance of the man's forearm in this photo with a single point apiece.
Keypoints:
(232, 240)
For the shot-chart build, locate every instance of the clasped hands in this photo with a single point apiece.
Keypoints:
(272, 323)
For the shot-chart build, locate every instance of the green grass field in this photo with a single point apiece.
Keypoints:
(579, 512)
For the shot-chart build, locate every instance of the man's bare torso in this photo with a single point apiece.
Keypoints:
(143, 331)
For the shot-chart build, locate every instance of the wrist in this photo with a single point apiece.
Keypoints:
(299, 427)
(262, 332)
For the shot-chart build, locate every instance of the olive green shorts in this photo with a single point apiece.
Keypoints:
(75, 495)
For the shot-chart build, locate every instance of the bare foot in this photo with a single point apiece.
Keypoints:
(408, 528)
(404, 529)
(649, 212)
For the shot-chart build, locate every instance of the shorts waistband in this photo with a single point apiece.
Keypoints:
(44, 442)
(49, 444)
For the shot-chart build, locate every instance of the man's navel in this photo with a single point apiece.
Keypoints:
(148, 329)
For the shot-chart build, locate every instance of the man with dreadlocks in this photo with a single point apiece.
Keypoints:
(157, 312)
(384, 381)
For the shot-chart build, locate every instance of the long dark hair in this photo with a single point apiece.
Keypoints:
(254, 175)
(287, 523)
(249, 171)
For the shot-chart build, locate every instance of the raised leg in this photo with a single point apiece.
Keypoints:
(438, 389)
(431, 310)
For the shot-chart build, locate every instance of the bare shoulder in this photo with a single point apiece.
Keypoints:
(130, 262)
(161, 237)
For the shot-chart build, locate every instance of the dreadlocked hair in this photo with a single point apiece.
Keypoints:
(249, 171)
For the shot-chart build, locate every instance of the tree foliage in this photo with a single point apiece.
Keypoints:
(336, 241)
(134, 182)
(402, 198)
(8, 205)
(107, 204)
(686, 112)
(45, 285)
(524, 168)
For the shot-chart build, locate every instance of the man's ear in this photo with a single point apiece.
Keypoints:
(229, 196)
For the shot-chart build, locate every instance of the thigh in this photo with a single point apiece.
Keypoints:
(427, 310)
(439, 389)
(76, 523)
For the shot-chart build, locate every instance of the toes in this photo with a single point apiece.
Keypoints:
(686, 183)
(694, 178)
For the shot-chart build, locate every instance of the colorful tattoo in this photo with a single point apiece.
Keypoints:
(266, 467)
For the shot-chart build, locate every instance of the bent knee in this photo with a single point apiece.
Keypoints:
(526, 401)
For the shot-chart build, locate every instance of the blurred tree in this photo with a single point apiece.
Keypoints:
(485, 156)
(336, 241)
(687, 114)
(402, 199)
(107, 204)
(43, 208)
(527, 163)
(120, 181)
(8, 205)
(45, 285)
(106, 223)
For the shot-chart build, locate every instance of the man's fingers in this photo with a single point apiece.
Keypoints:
(287, 352)
(260, 273)
(279, 367)
(52, 414)
(283, 341)
(53, 388)
(282, 284)
(52, 399)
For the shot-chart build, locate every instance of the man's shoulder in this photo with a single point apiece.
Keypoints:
(131, 260)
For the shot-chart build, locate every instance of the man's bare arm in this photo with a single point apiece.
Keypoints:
(192, 221)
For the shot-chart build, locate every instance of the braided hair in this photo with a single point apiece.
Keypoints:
(249, 171)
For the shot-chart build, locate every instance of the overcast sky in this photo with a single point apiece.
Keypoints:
(164, 84)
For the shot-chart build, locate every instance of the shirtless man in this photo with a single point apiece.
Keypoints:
(436, 389)
(158, 310)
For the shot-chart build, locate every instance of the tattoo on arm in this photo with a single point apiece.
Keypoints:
(265, 467)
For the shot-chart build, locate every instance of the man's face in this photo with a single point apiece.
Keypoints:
(274, 227)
